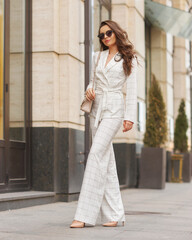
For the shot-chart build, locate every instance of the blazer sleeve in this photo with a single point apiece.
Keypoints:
(90, 85)
(131, 94)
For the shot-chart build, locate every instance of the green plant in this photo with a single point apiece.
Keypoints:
(156, 123)
(181, 126)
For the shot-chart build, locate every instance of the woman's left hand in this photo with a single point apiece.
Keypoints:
(127, 125)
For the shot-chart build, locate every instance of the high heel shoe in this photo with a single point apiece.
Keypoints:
(77, 224)
(112, 224)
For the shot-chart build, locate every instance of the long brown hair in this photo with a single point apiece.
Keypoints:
(125, 47)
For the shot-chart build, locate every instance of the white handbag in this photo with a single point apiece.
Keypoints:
(86, 105)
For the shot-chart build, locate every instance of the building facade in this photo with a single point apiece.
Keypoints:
(45, 61)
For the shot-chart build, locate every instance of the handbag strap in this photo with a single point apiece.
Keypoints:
(96, 67)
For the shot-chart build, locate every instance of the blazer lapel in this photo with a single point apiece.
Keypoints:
(102, 62)
(110, 64)
(104, 56)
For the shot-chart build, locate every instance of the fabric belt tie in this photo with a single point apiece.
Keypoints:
(103, 103)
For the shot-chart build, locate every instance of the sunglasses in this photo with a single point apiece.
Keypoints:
(108, 34)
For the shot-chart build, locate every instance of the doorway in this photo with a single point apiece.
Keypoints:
(15, 95)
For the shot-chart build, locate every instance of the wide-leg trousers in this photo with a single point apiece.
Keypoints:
(100, 192)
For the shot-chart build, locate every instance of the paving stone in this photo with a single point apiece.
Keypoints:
(150, 215)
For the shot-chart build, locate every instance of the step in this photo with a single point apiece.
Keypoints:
(15, 200)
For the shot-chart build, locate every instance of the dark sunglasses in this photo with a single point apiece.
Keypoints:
(102, 35)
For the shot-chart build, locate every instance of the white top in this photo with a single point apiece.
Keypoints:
(109, 81)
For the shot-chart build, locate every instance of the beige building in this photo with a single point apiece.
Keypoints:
(170, 61)
(59, 42)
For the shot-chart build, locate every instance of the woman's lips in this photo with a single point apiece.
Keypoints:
(106, 41)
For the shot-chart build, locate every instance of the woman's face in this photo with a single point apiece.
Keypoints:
(108, 41)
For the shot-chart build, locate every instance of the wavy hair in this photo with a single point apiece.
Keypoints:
(125, 47)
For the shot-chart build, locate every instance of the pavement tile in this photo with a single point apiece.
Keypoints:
(150, 215)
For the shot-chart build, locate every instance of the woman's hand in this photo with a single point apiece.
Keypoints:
(90, 94)
(127, 125)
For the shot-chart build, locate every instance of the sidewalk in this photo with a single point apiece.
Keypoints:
(150, 215)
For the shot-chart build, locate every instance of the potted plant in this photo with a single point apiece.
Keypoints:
(180, 141)
(153, 155)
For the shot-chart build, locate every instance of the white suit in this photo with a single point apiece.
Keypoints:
(109, 101)
(100, 188)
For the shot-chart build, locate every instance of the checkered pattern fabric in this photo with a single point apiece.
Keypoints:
(109, 82)
(100, 191)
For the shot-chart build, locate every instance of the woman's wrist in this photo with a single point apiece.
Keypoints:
(128, 121)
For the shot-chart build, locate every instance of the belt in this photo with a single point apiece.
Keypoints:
(103, 103)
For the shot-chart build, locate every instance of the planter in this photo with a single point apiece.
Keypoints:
(177, 167)
(126, 162)
(152, 168)
(191, 166)
(186, 170)
(168, 166)
(187, 161)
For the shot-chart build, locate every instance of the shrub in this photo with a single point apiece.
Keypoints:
(181, 126)
(156, 123)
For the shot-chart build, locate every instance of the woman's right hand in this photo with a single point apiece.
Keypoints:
(90, 94)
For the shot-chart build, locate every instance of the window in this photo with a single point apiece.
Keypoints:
(141, 111)
(101, 12)
(17, 70)
(1, 70)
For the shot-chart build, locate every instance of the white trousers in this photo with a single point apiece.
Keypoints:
(100, 192)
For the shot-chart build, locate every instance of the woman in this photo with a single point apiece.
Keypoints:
(117, 65)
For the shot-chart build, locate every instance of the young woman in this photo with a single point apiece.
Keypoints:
(117, 64)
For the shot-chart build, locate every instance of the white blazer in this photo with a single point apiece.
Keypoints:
(109, 101)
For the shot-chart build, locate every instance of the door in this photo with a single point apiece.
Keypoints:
(15, 104)
(2, 141)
